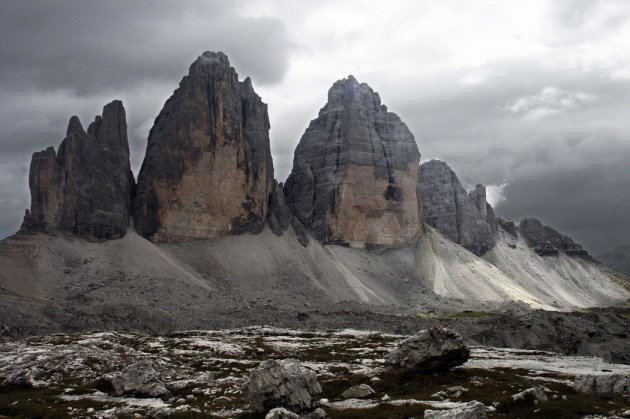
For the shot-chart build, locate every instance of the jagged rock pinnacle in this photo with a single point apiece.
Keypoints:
(86, 188)
(208, 170)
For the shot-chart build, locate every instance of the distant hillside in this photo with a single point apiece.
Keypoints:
(617, 259)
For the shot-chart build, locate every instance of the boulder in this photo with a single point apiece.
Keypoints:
(207, 171)
(436, 349)
(466, 219)
(611, 383)
(362, 391)
(354, 172)
(21, 378)
(139, 379)
(87, 187)
(281, 413)
(281, 383)
(534, 395)
(470, 410)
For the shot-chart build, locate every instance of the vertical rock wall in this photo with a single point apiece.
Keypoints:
(466, 219)
(355, 172)
(86, 188)
(207, 171)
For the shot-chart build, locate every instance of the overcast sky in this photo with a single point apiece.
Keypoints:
(530, 98)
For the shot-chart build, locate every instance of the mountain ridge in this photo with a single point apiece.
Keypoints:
(215, 240)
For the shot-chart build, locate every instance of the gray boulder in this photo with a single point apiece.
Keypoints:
(281, 413)
(139, 379)
(362, 391)
(21, 378)
(534, 395)
(281, 383)
(613, 383)
(430, 350)
(466, 219)
(470, 410)
(355, 171)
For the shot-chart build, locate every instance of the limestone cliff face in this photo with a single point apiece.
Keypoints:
(548, 242)
(87, 187)
(355, 172)
(478, 196)
(208, 170)
(466, 219)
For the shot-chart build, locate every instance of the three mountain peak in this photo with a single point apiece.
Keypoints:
(208, 172)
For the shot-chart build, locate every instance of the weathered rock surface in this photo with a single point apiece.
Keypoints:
(470, 410)
(362, 391)
(355, 172)
(466, 219)
(509, 226)
(281, 383)
(279, 216)
(618, 259)
(548, 242)
(435, 349)
(139, 379)
(86, 188)
(613, 383)
(281, 413)
(208, 170)
(21, 378)
(533, 395)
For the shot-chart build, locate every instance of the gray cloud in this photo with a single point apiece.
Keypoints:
(93, 46)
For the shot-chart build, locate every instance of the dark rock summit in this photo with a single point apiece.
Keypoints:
(208, 170)
(466, 219)
(86, 188)
(355, 172)
(548, 242)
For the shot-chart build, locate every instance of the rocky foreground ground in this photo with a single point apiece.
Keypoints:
(203, 373)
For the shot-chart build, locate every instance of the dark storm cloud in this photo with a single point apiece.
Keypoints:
(589, 203)
(561, 154)
(95, 46)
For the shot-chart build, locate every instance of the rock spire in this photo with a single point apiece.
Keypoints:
(86, 188)
(466, 219)
(355, 172)
(207, 171)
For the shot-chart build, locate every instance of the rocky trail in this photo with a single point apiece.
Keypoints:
(203, 372)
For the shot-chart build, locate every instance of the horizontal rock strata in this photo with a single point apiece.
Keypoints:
(355, 172)
(548, 242)
(466, 219)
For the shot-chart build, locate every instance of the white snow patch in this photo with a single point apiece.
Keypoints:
(102, 397)
(541, 362)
